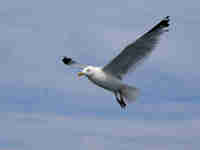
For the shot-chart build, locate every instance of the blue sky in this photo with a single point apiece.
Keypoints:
(43, 105)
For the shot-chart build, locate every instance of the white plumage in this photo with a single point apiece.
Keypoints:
(110, 76)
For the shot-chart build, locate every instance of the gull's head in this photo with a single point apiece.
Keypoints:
(87, 71)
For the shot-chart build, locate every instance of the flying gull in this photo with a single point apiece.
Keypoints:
(110, 76)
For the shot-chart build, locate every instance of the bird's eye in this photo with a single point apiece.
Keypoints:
(88, 70)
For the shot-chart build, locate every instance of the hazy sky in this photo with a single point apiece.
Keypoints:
(43, 105)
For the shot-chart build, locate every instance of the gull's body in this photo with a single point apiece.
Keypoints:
(105, 80)
(110, 76)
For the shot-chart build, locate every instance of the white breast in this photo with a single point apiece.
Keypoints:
(106, 81)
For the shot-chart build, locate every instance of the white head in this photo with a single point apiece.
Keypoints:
(88, 71)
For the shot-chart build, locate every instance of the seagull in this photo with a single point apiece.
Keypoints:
(110, 76)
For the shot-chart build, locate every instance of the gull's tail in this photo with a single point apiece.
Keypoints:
(130, 93)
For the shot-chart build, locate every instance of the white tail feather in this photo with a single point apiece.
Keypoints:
(130, 93)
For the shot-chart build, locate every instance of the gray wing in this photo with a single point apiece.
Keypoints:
(69, 62)
(137, 51)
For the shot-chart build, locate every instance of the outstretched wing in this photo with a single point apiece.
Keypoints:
(136, 51)
(69, 62)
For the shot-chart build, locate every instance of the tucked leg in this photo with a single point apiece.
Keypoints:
(120, 100)
(117, 97)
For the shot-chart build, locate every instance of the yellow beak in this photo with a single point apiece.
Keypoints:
(80, 74)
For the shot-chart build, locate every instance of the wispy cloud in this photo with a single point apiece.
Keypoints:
(44, 106)
(89, 132)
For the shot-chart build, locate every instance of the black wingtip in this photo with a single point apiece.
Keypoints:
(167, 17)
(66, 60)
(165, 21)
